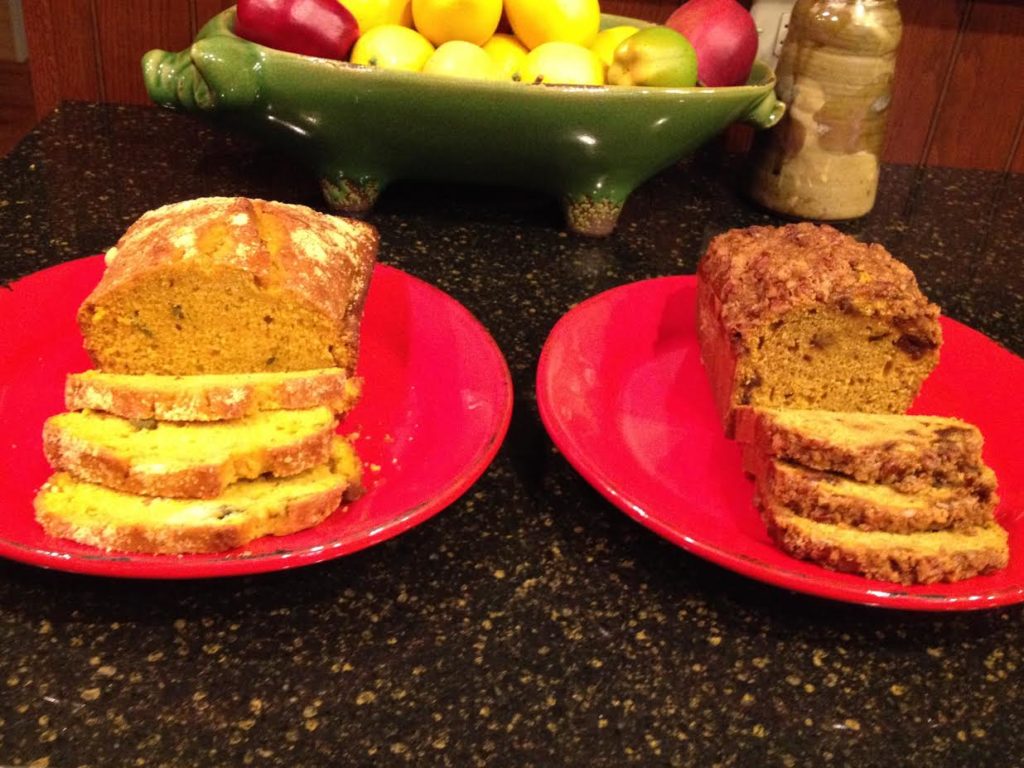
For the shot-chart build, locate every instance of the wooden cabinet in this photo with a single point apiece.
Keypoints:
(958, 99)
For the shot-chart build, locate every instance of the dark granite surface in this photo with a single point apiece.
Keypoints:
(531, 623)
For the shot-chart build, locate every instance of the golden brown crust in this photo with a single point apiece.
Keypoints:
(172, 233)
(718, 353)
(210, 397)
(919, 558)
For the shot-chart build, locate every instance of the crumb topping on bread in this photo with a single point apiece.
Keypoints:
(762, 273)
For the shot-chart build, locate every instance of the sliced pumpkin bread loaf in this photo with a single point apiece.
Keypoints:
(231, 285)
(804, 316)
(188, 460)
(210, 397)
(103, 517)
(904, 558)
(898, 498)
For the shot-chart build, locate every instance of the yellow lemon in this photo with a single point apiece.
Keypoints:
(542, 21)
(506, 52)
(565, 63)
(391, 46)
(373, 13)
(442, 20)
(457, 58)
(608, 40)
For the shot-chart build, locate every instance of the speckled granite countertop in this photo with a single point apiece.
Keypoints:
(531, 623)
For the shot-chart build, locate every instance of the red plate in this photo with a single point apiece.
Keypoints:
(622, 392)
(436, 406)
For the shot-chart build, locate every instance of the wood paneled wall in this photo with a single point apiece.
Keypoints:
(958, 99)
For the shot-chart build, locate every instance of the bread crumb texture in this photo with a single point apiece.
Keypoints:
(908, 452)
(899, 498)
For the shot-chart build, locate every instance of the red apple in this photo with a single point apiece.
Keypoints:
(724, 35)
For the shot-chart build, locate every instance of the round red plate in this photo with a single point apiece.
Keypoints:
(622, 392)
(436, 404)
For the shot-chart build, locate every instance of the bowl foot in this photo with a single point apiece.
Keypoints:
(348, 195)
(594, 217)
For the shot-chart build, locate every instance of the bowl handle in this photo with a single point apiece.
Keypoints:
(214, 73)
(217, 71)
(765, 112)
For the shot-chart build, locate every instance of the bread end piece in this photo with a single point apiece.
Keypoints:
(916, 558)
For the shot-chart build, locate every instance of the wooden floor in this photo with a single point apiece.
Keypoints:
(17, 115)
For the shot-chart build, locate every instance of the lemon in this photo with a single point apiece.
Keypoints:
(542, 21)
(457, 58)
(373, 13)
(391, 46)
(506, 52)
(565, 63)
(442, 20)
(608, 40)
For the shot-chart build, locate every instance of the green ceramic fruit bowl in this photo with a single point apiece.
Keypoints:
(359, 128)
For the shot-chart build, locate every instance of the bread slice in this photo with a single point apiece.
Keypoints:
(102, 517)
(211, 397)
(909, 453)
(905, 558)
(186, 460)
(828, 497)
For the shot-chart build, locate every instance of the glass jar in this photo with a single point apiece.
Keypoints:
(835, 75)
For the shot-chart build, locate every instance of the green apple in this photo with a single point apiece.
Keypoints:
(655, 56)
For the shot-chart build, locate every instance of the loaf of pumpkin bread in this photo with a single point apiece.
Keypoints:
(231, 285)
(803, 316)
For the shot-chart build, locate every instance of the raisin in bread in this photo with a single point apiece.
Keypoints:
(829, 497)
(909, 453)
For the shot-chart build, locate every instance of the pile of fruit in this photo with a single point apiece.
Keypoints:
(711, 42)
